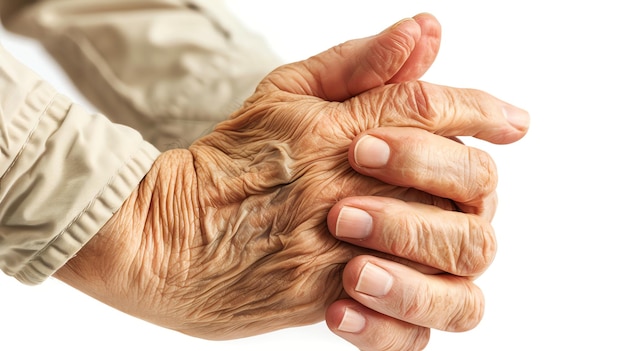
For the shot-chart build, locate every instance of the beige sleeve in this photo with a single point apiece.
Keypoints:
(63, 173)
(169, 68)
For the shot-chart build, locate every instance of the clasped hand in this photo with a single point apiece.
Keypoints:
(229, 238)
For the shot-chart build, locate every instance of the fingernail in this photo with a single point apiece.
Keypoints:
(400, 22)
(353, 223)
(397, 24)
(374, 281)
(352, 321)
(371, 152)
(518, 118)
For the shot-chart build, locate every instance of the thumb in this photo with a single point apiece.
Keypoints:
(425, 51)
(355, 66)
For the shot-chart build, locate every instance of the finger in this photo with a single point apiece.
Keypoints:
(453, 242)
(357, 65)
(414, 158)
(425, 51)
(442, 110)
(444, 302)
(370, 330)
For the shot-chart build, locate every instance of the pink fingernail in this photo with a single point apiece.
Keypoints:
(353, 223)
(352, 321)
(518, 118)
(374, 281)
(371, 152)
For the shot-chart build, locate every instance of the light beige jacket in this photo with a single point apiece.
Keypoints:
(169, 69)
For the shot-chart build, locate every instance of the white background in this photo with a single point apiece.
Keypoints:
(558, 280)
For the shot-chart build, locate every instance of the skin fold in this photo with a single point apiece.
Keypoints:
(230, 237)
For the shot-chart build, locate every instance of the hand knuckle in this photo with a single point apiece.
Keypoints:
(482, 175)
(470, 310)
(419, 103)
(478, 248)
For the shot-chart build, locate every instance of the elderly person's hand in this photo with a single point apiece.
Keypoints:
(229, 238)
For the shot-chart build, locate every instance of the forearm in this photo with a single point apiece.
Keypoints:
(64, 172)
(170, 69)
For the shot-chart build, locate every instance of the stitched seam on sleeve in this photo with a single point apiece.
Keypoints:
(29, 137)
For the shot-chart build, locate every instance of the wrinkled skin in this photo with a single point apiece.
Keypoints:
(229, 238)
